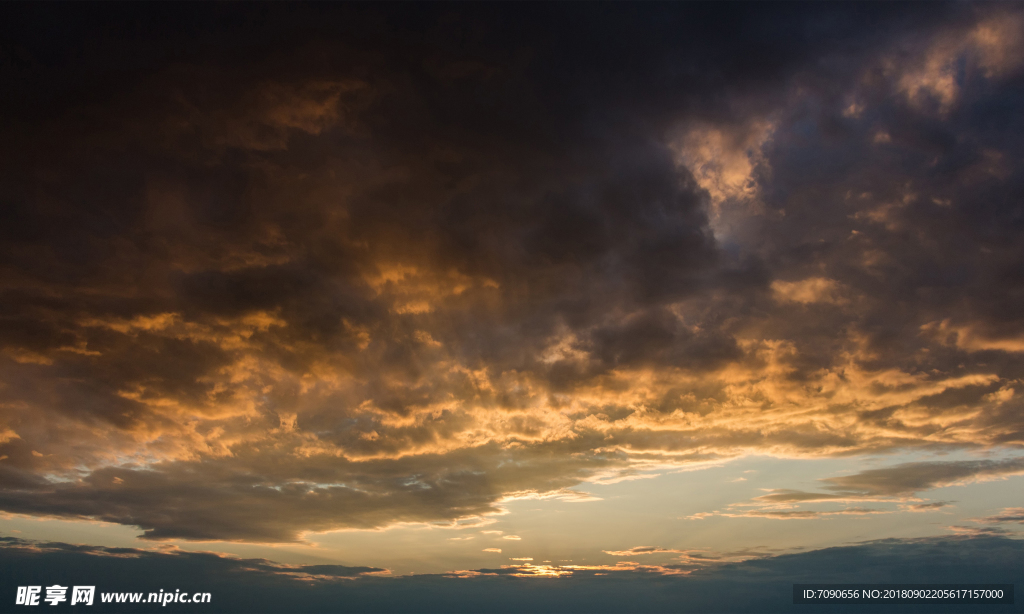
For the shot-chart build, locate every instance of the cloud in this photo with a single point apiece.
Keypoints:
(756, 585)
(356, 281)
(993, 45)
(803, 514)
(898, 483)
(692, 560)
(181, 560)
(978, 531)
(265, 503)
(926, 507)
(638, 550)
(913, 477)
(812, 290)
(1007, 515)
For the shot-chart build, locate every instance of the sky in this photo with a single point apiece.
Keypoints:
(415, 301)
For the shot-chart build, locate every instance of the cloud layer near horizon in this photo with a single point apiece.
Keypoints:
(760, 585)
(419, 263)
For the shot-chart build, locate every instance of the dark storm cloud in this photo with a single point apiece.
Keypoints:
(761, 585)
(893, 180)
(353, 265)
(249, 498)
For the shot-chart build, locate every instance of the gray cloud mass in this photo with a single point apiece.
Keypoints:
(344, 266)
